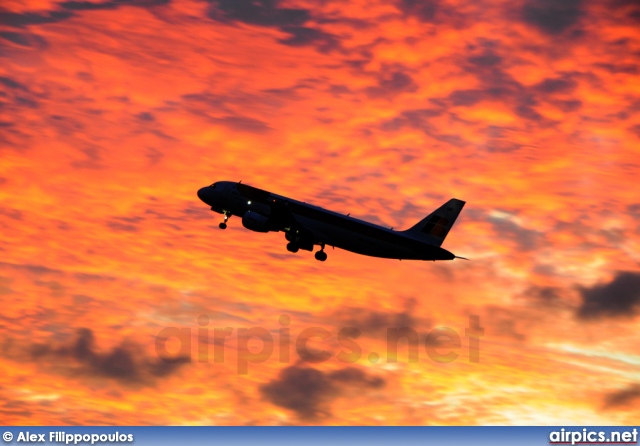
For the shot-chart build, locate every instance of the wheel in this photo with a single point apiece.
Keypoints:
(321, 255)
(222, 226)
(292, 247)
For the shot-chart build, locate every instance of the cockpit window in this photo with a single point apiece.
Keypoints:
(213, 185)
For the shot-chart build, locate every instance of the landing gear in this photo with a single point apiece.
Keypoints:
(321, 255)
(292, 247)
(223, 225)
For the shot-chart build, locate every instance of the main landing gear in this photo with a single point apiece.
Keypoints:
(321, 255)
(223, 225)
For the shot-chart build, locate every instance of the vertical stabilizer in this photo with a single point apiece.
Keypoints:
(435, 226)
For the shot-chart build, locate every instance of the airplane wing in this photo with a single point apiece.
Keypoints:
(281, 213)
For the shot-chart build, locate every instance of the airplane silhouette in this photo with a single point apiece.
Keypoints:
(306, 225)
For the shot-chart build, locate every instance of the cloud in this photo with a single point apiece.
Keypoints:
(305, 36)
(11, 213)
(21, 39)
(417, 119)
(260, 12)
(12, 84)
(552, 17)
(17, 20)
(308, 392)
(392, 83)
(124, 362)
(127, 224)
(545, 295)
(564, 84)
(618, 298)
(92, 159)
(372, 321)
(623, 398)
(92, 6)
(431, 11)
(243, 124)
(31, 268)
(267, 13)
(507, 228)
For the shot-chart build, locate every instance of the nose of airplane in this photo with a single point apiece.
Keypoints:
(204, 194)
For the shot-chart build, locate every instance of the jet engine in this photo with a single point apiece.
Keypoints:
(256, 222)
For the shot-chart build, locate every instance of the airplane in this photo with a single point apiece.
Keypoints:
(306, 225)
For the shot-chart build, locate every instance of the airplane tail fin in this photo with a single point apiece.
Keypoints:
(435, 226)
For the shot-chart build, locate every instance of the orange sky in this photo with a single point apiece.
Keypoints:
(113, 113)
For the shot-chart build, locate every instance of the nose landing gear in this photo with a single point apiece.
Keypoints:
(223, 225)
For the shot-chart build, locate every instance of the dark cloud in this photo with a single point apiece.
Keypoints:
(22, 20)
(487, 59)
(496, 84)
(17, 38)
(368, 320)
(93, 158)
(619, 68)
(55, 288)
(501, 146)
(467, 97)
(546, 295)
(18, 20)
(304, 36)
(25, 102)
(86, 278)
(11, 213)
(308, 392)
(424, 10)
(34, 269)
(418, 119)
(154, 155)
(146, 116)
(257, 12)
(392, 83)
(124, 362)
(618, 298)
(526, 239)
(87, 6)
(506, 322)
(338, 90)
(556, 85)
(568, 106)
(431, 11)
(630, 7)
(113, 4)
(243, 124)
(268, 13)
(127, 224)
(12, 84)
(623, 398)
(552, 17)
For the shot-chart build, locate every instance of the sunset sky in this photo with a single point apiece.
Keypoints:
(114, 113)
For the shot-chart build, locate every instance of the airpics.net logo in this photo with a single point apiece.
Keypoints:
(592, 436)
(313, 344)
